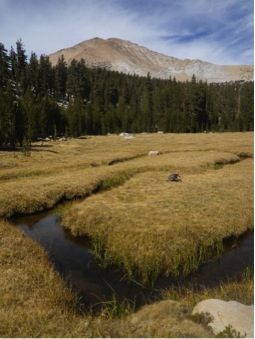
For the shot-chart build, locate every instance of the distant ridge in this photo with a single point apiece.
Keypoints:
(127, 57)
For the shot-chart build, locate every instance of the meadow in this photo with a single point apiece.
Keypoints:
(135, 218)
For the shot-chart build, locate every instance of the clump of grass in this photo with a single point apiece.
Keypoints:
(116, 308)
(26, 147)
(30, 174)
(245, 155)
(229, 332)
(201, 318)
(165, 319)
(113, 181)
(22, 174)
(241, 290)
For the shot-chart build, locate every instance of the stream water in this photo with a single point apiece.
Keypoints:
(73, 259)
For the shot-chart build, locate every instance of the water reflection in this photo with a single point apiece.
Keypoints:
(73, 259)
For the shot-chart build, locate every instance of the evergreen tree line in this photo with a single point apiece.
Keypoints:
(39, 100)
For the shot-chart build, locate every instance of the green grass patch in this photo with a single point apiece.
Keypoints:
(113, 181)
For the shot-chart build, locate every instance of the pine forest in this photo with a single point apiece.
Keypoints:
(38, 100)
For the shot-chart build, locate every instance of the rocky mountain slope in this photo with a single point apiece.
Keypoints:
(127, 57)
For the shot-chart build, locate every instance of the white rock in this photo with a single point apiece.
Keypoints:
(154, 153)
(228, 313)
(128, 137)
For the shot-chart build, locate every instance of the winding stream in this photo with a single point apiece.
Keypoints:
(73, 259)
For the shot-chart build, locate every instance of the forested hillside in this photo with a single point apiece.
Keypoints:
(39, 100)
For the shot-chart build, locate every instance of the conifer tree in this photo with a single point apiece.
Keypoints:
(9, 116)
(76, 117)
(46, 76)
(30, 111)
(60, 78)
(33, 73)
(4, 67)
(246, 109)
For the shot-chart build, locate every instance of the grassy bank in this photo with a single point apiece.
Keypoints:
(137, 219)
(34, 301)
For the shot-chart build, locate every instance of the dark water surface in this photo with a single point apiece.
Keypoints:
(73, 259)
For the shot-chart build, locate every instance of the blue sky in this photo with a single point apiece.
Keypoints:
(217, 31)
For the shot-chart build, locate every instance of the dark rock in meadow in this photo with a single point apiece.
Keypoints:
(174, 177)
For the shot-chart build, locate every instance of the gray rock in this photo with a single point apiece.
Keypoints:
(174, 177)
(228, 313)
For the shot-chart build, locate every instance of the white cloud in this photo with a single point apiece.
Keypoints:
(215, 31)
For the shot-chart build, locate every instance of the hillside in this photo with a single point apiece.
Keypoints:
(127, 57)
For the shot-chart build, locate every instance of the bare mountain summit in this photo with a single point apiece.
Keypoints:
(127, 57)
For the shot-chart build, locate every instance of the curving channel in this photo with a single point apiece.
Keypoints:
(74, 261)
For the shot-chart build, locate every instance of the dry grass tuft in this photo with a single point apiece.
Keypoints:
(241, 291)
(165, 319)
(172, 317)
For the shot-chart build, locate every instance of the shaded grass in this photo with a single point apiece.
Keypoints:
(241, 290)
(172, 317)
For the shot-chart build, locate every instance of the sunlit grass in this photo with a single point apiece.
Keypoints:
(79, 167)
(34, 301)
(149, 226)
(134, 217)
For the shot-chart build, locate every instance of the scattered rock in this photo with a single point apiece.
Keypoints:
(129, 137)
(228, 315)
(154, 153)
(174, 177)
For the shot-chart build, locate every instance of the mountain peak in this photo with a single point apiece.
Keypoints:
(127, 57)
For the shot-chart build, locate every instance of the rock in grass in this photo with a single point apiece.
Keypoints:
(229, 316)
(174, 177)
(154, 153)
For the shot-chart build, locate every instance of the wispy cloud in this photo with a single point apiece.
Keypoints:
(216, 31)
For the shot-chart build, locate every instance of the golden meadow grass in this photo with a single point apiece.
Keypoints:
(66, 169)
(34, 301)
(150, 226)
(145, 224)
